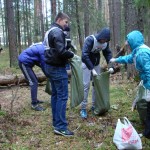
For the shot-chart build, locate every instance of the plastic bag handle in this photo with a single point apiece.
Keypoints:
(124, 121)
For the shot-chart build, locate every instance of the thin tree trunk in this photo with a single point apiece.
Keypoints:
(18, 27)
(41, 21)
(86, 17)
(130, 13)
(36, 20)
(11, 34)
(6, 25)
(78, 24)
(53, 9)
(24, 24)
(115, 23)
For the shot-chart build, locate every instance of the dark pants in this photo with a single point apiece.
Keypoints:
(147, 123)
(59, 82)
(32, 79)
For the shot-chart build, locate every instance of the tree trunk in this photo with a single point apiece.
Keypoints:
(3, 23)
(36, 20)
(148, 23)
(46, 17)
(115, 23)
(6, 25)
(27, 20)
(11, 34)
(41, 21)
(19, 79)
(78, 24)
(131, 23)
(24, 41)
(53, 9)
(18, 27)
(86, 17)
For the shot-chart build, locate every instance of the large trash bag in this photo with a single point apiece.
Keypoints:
(102, 101)
(48, 87)
(77, 88)
(141, 103)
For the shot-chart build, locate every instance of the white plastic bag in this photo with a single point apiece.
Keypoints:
(125, 136)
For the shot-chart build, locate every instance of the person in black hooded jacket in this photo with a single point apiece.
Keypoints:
(90, 62)
(56, 58)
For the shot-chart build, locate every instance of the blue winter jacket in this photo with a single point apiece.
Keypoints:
(93, 59)
(140, 56)
(33, 55)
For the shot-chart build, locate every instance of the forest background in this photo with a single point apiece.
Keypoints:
(23, 22)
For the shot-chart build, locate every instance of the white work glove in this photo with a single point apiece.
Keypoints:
(94, 72)
(112, 60)
(111, 70)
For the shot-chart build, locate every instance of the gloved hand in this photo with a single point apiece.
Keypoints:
(94, 72)
(111, 70)
(112, 60)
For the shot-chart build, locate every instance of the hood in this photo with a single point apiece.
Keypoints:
(135, 39)
(103, 34)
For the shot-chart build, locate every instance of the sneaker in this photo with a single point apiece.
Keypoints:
(40, 102)
(83, 113)
(37, 107)
(64, 132)
(92, 108)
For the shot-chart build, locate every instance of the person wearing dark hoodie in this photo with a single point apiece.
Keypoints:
(56, 58)
(30, 57)
(140, 56)
(92, 47)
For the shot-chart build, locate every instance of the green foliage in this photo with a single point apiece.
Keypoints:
(142, 3)
(2, 113)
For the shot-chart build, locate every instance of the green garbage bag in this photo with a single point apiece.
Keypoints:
(77, 89)
(48, 87)
(102, 101)
(141, 103)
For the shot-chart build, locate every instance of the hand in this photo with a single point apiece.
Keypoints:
(94, 72)
(112, 60)
(111, 70)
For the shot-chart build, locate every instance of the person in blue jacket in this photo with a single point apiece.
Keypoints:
(33, 55)
(140, 56)
(92, 47)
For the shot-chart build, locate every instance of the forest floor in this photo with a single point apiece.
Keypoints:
(22, 128)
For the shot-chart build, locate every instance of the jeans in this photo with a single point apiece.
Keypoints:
(86, 83)
(59, 83)
(32, 79)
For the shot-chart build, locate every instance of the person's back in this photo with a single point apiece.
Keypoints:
(33, 55)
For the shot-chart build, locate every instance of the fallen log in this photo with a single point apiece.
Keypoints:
(19, 79)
